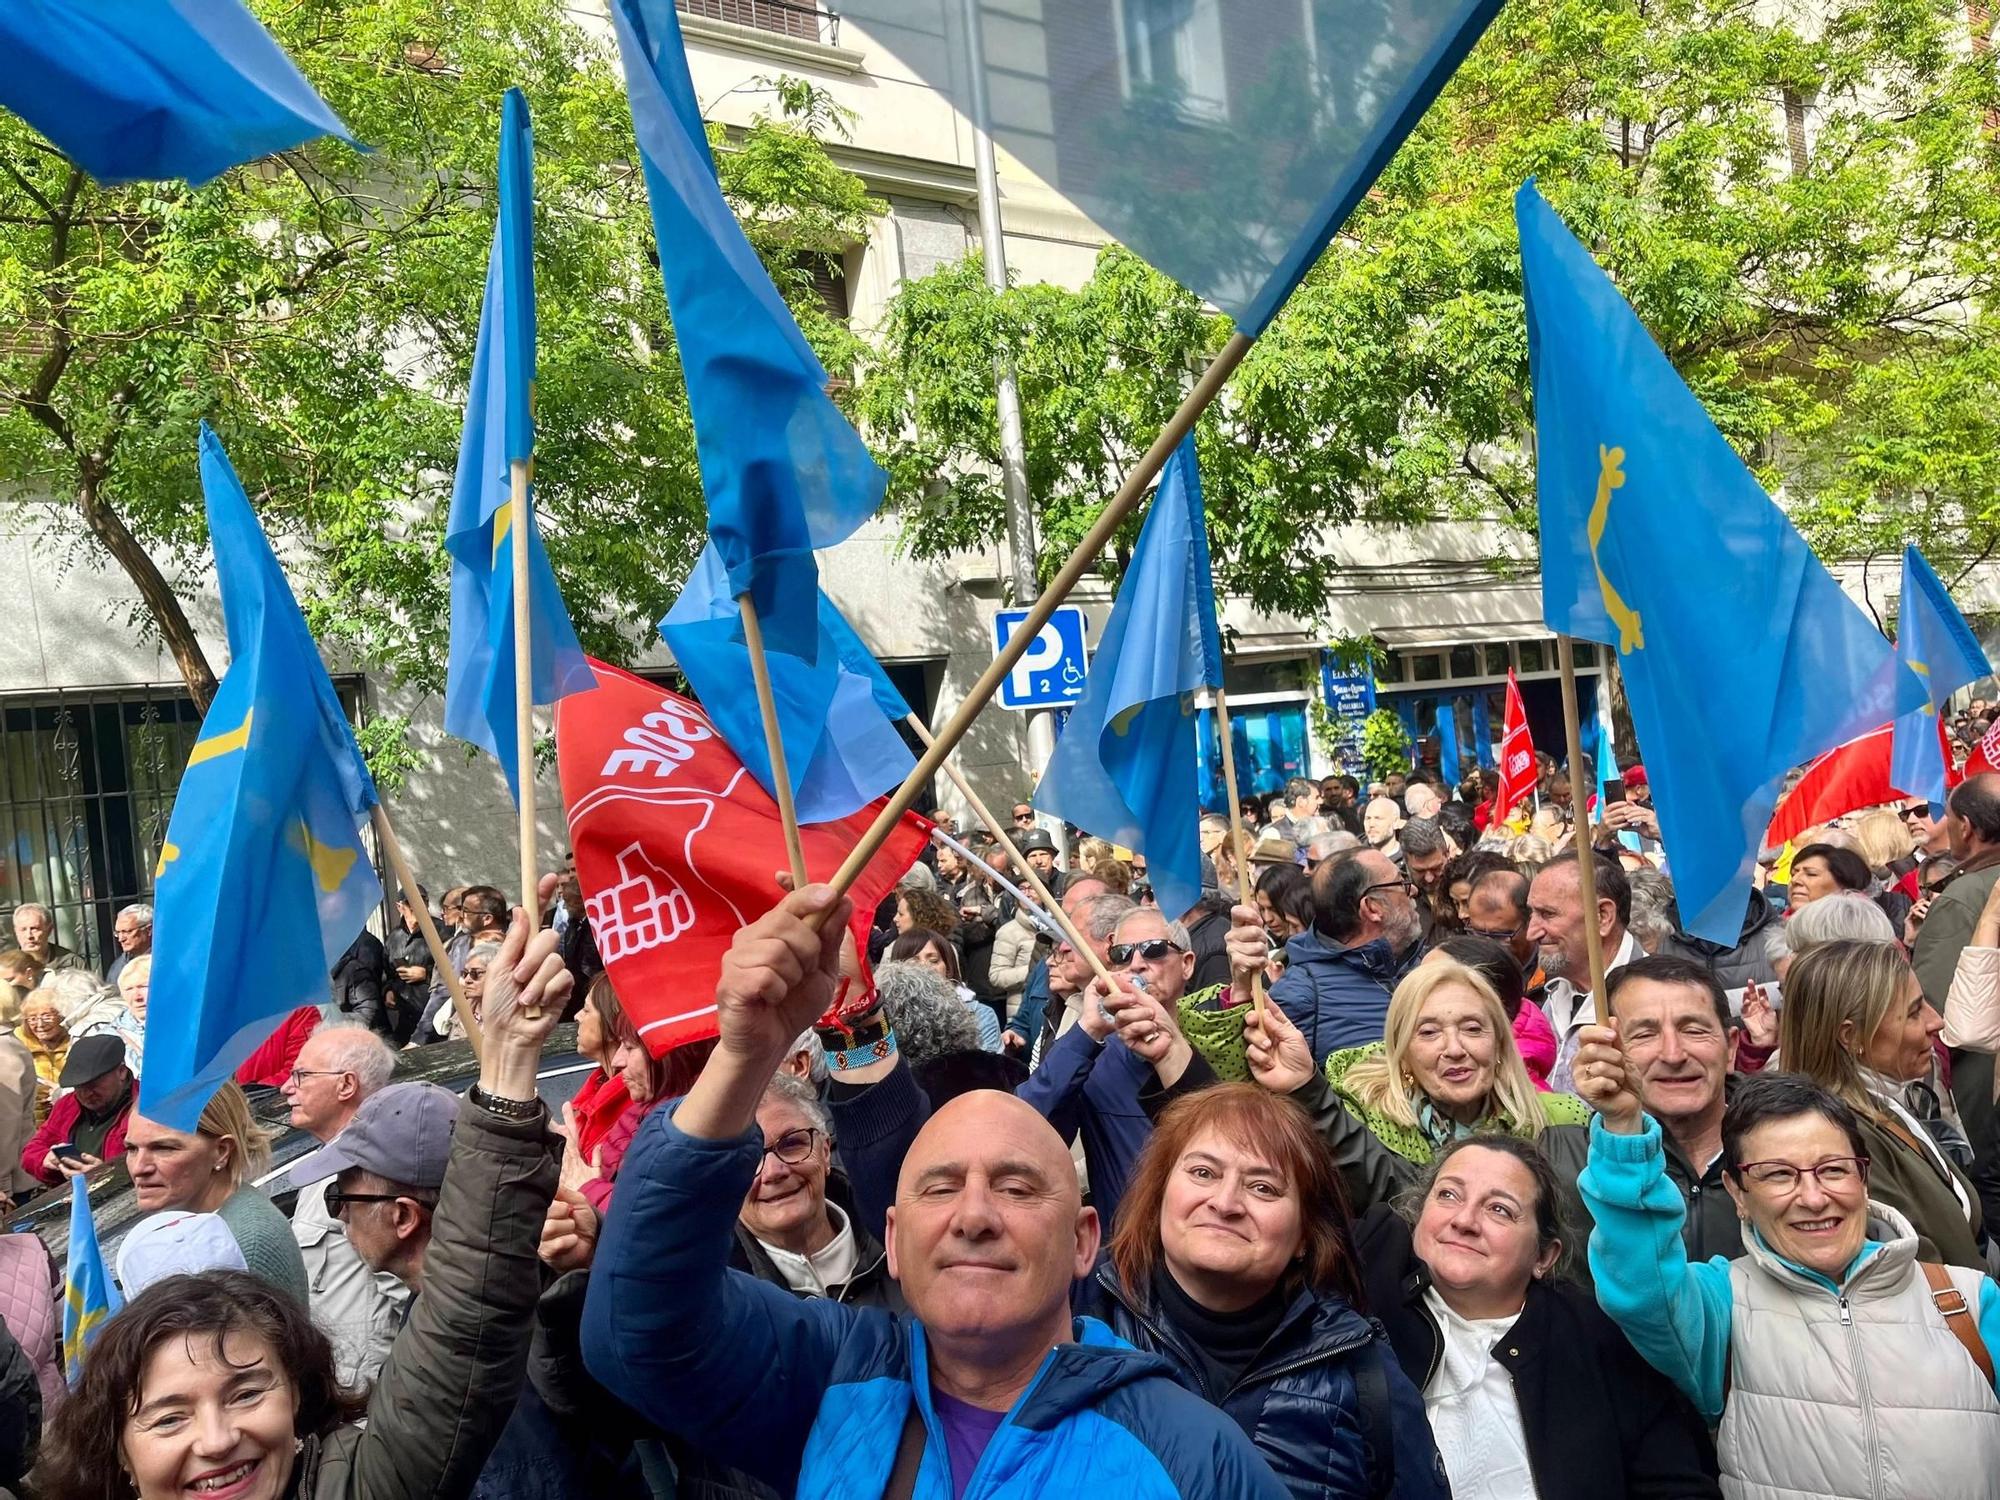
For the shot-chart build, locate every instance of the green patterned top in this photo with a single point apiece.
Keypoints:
(1434, 1129)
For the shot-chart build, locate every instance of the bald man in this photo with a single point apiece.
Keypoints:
(986, 1234)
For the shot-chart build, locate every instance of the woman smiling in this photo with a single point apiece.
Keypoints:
(1233, 1260)
(1832, 1357)
(1447, 1067)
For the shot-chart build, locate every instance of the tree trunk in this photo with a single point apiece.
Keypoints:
(1624, 741)
(175, 629)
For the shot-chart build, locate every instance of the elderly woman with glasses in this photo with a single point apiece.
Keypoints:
(1835, 1361)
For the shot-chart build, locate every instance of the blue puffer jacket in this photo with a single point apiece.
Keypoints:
(810, 1395)
(1339, 997)
(1301, 1401)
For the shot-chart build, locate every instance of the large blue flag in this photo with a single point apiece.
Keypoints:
(500, 432)
(783, 470)
(132, 89)
(263, 881)
(1226, 141)
(1125, 768)
(1933, 641)
(1742, 657)
(837, 711)
(89, 1296)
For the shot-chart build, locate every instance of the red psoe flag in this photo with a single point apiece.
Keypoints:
(677, 847)
(1517, 756)
(1850, 777)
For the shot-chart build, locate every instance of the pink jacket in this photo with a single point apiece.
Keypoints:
(1537, 1040)
(1972, 1004)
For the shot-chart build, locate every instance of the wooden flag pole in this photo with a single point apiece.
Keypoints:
(524, 693)
(1080, 561)
(774, 739)
(1586, 851)
(1243, 892)
(413, 894)
(985, 815)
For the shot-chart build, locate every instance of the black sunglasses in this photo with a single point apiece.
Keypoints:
(1405, 884)
(1152, 950)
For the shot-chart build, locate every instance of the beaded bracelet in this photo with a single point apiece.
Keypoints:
(879, 1050)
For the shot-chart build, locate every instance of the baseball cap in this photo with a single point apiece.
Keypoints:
(90, 1059)
(402, 1133)
(176, 1243)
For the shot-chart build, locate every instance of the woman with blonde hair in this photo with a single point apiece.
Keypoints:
(213, 1170)
(1891, 854)
(1447, 1067)
(1855, 1022)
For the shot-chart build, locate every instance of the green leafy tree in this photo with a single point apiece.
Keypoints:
(1803, 206)
(1385, 745)
(320, 309)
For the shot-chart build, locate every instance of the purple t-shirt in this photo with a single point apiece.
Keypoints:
(967, 1431)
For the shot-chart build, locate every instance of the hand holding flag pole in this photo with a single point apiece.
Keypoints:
(414, 896)
(985, 815)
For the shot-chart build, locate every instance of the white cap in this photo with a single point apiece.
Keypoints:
(176, 1243)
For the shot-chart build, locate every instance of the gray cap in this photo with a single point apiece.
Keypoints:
(1033, 839)
(90, 1059)
(401, 1133)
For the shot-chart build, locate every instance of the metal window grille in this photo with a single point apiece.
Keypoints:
(87, 783)
(808, 22)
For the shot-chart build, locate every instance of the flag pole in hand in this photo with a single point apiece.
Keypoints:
(1121, 505)
(1586, 849)
(1243, 893)
(774, 738)
(413, 894)
(524, 697)
(985, 815)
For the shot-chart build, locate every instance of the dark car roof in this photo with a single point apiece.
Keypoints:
(449, 1064)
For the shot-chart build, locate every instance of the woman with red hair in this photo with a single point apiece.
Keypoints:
(1233, 1260)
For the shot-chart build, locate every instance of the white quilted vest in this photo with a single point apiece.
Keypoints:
(1864, 1395)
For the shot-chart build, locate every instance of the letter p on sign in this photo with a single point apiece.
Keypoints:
(1050, 672)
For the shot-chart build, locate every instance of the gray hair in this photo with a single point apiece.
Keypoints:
(139, 912)
(809, 1043)
(1845, 916)
(1177, 932)
(789, 1088)
(1421, 836)
(1329, 844)
(359, 1051)
(487, 951)
(1100, 919)
(925, 1012)
(47, 915)
(1652, 908)
(75, 991)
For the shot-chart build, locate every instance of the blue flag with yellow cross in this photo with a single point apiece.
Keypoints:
(499, 432)
(1742, 656)
(1933, 641)
(90, 1298)
(263, 881)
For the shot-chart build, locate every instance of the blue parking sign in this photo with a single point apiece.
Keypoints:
(1050, 672)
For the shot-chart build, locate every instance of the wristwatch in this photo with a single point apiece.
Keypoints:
(507, 1109)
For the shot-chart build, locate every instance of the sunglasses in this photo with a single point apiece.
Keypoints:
(1152, 950)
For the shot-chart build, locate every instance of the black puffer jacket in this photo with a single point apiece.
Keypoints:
(1748, 960)
(1599, 1422)
(1324, 1402)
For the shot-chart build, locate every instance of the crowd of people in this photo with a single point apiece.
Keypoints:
(1355, 1188)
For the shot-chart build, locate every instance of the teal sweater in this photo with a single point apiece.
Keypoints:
(1677, 1315)
(265, 1237)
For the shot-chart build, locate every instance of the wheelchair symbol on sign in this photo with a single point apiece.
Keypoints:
(1072, 674)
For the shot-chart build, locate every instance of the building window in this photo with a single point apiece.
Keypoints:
(87, 784)
(1173, 51)
(791, 18)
